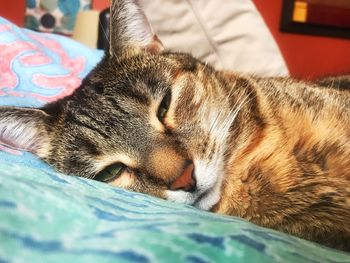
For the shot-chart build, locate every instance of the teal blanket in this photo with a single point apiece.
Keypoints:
(50, 217)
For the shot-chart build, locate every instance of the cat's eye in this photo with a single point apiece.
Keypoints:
(110, 173)
(164, 106)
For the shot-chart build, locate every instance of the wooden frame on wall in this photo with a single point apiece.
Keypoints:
(316, 17)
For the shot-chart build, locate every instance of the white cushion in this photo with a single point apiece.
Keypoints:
(228, 34)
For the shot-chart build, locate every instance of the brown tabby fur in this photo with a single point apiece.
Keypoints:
(274, 151)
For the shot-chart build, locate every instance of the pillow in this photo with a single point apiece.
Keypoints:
(227, 34)
(54, 15)
(38, 68)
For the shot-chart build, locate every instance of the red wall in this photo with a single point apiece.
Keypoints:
(100, 4)
(13, 10)
(306, 56)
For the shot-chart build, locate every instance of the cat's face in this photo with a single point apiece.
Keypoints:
(143, 119)
(147, 119)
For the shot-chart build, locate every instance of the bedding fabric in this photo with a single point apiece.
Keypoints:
(230, 35)
(50, 217)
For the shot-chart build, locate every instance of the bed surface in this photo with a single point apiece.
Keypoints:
(50, 217)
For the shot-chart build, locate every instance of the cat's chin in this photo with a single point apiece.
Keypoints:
(210, 198)
(203, 201)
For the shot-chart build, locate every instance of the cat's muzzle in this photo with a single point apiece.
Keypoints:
(186, 181)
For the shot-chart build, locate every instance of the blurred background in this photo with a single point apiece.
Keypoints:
(308, 52)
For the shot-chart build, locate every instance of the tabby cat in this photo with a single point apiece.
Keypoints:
(274, 151)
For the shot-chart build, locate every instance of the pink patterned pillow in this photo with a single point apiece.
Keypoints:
(37, 68)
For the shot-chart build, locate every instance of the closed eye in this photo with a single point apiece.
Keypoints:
(110, 173)
(164, 107)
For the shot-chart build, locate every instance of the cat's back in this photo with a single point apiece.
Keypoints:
(325, 97)
(289, 167)
(311, 120)
(307, 111)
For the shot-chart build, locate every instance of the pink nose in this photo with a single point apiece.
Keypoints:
(186, 181)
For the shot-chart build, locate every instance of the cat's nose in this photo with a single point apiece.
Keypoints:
(186, 181)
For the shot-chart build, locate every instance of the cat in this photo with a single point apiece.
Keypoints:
(274, 151)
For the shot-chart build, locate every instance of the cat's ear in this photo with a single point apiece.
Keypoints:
(130, 31)
(25, 129)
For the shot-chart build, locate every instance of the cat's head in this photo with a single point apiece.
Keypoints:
(144, 119)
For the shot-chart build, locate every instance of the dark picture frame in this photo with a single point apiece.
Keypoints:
(287, 24)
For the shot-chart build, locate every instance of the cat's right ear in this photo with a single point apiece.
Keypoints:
(25, 129)
(130, 31)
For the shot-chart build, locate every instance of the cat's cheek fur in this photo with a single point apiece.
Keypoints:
(210, 198)
(209, 179)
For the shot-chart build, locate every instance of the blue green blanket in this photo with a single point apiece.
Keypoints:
(50, 217)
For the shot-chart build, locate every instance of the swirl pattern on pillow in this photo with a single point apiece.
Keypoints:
(37, 68)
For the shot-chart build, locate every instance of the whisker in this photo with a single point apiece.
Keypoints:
(233, 114)
(104, 31)
(219, 115)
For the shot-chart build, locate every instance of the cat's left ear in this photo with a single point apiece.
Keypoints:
(25, 129)
(130, 31)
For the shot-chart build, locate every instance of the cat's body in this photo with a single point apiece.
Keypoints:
(273, 151)
(291, 170)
